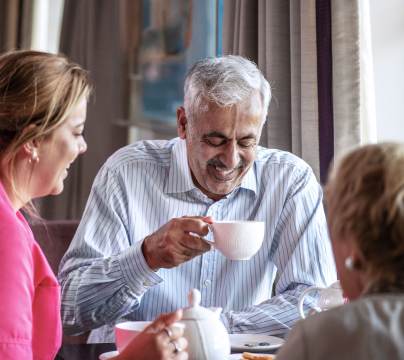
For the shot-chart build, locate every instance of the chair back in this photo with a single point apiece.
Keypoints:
(54, 237)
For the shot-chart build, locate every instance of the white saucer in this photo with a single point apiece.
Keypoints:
(240, 356)
(108, 355)
(254, 342)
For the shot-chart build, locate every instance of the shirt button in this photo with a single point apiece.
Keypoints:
(207, 283)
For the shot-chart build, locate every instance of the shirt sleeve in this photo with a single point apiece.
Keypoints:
(103, 274)
(302, 253)
(16, 294)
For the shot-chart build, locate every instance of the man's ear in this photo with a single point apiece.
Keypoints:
(182, 122)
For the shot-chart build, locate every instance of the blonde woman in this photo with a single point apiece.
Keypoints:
(43, 101)
(365, 209)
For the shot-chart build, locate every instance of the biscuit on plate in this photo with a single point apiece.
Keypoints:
(251, 356)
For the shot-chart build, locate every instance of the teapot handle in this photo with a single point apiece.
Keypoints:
(301, 299)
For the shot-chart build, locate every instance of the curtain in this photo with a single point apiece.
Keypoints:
(314, 55)
(97, 34)
(15, 24)
(353, 85)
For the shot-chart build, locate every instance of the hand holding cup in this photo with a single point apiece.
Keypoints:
(176, 242)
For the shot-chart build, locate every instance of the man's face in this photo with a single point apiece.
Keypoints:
(221, 146)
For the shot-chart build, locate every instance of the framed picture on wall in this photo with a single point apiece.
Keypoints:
(174, 34)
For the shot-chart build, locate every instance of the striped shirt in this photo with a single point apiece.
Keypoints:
(105, 277)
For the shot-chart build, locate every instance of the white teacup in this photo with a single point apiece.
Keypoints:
(126, 331)
(238, 240)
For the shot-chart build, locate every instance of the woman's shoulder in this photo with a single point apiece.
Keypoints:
(14, 232)
(366, 310)
(16, 246)
(370, 325)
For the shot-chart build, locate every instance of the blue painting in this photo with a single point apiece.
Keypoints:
(175, 34)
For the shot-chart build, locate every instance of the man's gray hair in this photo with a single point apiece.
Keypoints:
(226, 81)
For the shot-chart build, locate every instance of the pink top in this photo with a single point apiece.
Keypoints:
(30, 325)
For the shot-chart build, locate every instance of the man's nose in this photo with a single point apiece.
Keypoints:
(231, 156)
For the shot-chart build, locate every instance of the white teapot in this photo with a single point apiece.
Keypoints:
(207, 337)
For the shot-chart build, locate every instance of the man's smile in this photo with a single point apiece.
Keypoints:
(223, 175)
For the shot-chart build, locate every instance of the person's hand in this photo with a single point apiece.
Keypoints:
(176, 242)
(158, 341)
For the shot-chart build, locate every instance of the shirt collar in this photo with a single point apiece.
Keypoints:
(249, 181)
(180, 178)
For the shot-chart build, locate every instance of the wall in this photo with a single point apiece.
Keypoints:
(387, 26)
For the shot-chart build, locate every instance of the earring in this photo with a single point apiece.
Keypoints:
(349, 263)
(34, 156)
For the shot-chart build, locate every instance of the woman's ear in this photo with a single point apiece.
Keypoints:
(357, 261)
(182, 122)
(354, 259)
(31, 147)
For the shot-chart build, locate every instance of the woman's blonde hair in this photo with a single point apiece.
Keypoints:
(37, 92)
(365, 200)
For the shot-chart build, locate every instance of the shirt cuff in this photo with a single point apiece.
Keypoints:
(138, 275)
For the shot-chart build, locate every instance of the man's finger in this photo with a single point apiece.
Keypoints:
(195, 243)
(193, 225)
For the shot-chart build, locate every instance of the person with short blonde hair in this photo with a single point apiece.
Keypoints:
(365, 200)
(43, 102)
(365, 211)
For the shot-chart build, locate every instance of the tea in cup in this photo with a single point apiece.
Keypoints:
(238, 240)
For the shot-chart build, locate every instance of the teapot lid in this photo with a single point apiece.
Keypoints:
(195, 311)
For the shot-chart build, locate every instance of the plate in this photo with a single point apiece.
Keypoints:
(108, 355)
(254, 342)
(240, 356)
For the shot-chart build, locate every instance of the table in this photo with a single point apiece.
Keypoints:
(83, 351)
(86, 351)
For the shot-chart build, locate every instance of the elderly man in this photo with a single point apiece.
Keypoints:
(140, 246)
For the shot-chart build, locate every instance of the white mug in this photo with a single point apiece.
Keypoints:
(326, 299)
(238, 240)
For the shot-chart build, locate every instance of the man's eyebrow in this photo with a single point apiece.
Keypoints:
(249, 136)
(215, 134)
(222, 136)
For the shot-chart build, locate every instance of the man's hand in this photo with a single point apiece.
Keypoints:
(176, 242)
